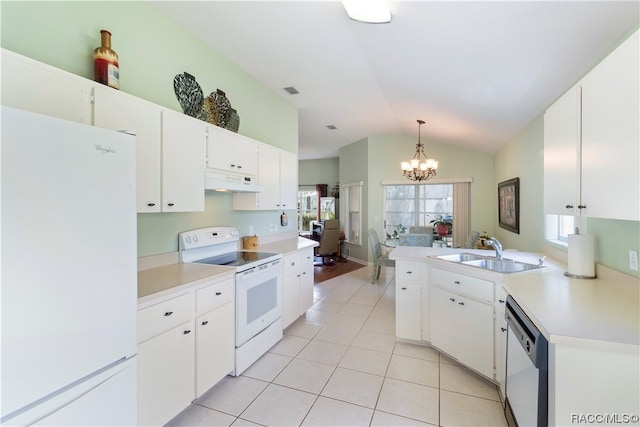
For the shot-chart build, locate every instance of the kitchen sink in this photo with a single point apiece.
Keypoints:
(460, 257)
(504, 266)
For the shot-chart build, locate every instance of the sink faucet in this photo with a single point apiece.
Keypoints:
(492, 241)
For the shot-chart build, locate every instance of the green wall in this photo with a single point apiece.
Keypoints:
(355, 167)
(319, 171)
(152, 49)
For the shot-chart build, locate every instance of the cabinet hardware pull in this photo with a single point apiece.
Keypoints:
(205, 323)
(170, 204)
(501, 301)
(409, 272)
(233, 166)
(168, 313)
(452, 299)
(151, 204)
(404, 289)
(503, 329)
(460, 303)
(582, 206)
(569, 206)
(457, 282)
(239, 166)
(218, 293)
(187, 332)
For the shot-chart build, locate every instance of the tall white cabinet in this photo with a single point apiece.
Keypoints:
(592, 141)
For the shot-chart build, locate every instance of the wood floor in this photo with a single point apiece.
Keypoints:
(326, 272)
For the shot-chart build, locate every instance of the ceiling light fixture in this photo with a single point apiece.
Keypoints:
(416, 169)
(369, 11)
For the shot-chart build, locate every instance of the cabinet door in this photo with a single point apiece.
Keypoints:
(306, 280)
(408, 311)
(183, 157)
(611, 135)
(214, 347)
(464, 329)
(291, 298)
(118, 111)
(501, 340)
(231, 152)
(562, 155)
(33, 86)
(288, 180)
(165, 375)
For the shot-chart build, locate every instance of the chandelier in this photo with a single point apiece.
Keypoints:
(418, 169)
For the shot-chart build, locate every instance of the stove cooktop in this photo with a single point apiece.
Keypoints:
(235, 259)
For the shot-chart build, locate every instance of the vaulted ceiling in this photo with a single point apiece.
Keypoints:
(477, 72)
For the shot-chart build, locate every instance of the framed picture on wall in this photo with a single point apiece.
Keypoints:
(509, 205)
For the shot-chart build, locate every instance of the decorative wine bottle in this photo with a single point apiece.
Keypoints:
(105, 63)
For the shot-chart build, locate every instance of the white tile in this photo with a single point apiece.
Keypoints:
(195, 415)
(463, 380)
(416, 350)
(364, 360)
(303, 328)
(413, 370)
(318, 316)
(382, 326)
(329, 412)
(463, 410)
(239, 422)
(232, 395)
(382, 312)
(279, 406)
(383, 419)
(289, 345)
(328, 305)
(356, 309)
(409, 400)
(375, 341)
(323, 352)
(267, 367)
(305, 375)
(354, 387)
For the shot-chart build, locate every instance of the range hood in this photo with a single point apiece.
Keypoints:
(220, 181)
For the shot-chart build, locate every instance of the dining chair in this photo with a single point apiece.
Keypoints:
(380, 254)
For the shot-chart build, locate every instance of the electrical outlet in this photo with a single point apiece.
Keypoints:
(272, 228)
(633, 260)
(251, 230)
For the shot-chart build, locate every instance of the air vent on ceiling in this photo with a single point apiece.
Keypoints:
(291, 90)
(332, 127)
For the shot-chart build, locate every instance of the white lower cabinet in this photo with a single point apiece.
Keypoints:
(463, 328)
(297, 289)
(165, 375)
(214, 347)
(185, 346)
(412, 317)
(501, 339)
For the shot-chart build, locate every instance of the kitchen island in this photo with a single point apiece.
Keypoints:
(593, 326)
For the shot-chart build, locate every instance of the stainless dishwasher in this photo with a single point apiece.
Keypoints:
(526, 385)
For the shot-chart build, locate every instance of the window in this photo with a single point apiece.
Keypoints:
(558, 227)
(351, 212)
(307, 207)
(415, 205)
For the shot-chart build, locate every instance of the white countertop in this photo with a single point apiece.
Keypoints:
(157, 282)
(605, 310)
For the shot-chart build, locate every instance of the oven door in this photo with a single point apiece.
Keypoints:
(258, 300)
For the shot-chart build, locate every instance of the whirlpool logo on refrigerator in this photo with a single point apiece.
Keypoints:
(104, 150)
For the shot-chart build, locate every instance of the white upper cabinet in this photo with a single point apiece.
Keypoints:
(33, 86)
(278, 175)
(562, 155)
(611, 135)
(183, 159)
(119, 111)
(230, 152)
(592, 141)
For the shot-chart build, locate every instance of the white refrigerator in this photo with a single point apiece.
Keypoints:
(69, 273)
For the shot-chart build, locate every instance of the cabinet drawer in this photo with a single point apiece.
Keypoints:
(214, 296)
(291, 264)
(306, 258)
(463, 284)
(164, 316)
(410, 272)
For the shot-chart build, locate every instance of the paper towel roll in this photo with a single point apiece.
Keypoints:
(581, 255)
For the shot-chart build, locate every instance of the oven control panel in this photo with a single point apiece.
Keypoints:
(207, 237)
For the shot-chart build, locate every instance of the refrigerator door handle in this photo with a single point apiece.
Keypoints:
(48, 405)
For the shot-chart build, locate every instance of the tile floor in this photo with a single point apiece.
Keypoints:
(340, 365)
